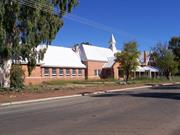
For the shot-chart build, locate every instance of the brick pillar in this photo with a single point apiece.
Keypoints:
(64, 72)
(116, 76)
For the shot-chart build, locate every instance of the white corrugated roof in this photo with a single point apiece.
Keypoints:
(109, 64)
(140, 69)
(56, 56)
(152, 69)
(147, 68)
(95, 53)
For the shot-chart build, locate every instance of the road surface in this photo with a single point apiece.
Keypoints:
(139, 112)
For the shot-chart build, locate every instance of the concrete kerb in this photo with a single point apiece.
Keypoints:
(118, 90)
(38, 100)
(165, 84)
(77, 95)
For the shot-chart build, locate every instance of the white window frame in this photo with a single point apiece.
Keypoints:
(67, 74)
(54, 74)
(61, 74)
(73, 74)
(97, 72)
(46, 74)
(80, 73)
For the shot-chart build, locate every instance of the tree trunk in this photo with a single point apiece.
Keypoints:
(127, 76)
(168, 75)
(6, 73)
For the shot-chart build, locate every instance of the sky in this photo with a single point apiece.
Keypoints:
(145, 21)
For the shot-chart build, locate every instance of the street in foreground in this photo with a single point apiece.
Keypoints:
(154, 111)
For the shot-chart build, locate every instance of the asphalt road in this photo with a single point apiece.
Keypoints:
(140, 112)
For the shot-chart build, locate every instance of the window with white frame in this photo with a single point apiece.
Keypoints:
(97, 72)
(61, 72)
(46, 71)
(73, 72)
(80, 72)
(67, 72)
(53, 71)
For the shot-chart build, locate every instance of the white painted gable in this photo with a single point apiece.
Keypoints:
(56, 56)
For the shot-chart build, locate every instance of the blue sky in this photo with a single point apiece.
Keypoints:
(144, 21)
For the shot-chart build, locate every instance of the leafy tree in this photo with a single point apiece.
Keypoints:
(174, 45)
(128, 58)
(24, 24)
(17, 77)
(164, 58)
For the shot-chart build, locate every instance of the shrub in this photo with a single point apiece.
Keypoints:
(17, 77)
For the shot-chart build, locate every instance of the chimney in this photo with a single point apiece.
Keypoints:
(76, 49)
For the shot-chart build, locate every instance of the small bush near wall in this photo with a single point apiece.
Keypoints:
(17, 77)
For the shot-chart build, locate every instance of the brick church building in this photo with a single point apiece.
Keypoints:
(83, 62)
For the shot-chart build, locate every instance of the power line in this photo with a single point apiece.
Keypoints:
(85, 21)
(36, 5)
(71, 17)
(97, 25)
(76, 18)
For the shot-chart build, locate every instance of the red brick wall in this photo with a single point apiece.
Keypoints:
(38, 77)
(91, 67)
(35, 77)
(116, 68)
(35, 73)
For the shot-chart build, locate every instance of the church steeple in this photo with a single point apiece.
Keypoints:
(112, 43)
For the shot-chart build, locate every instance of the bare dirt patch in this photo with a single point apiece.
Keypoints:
(56, 91)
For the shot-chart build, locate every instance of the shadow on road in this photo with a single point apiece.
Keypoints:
(152, 93)
(175, 96)
(167, 87)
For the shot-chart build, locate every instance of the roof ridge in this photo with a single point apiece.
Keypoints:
(97, 46)
(55, 46)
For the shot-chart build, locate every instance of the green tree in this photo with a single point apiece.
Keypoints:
(174, 45)
(17, 77)
(128, 58)
(165, 60)
(24, 24)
